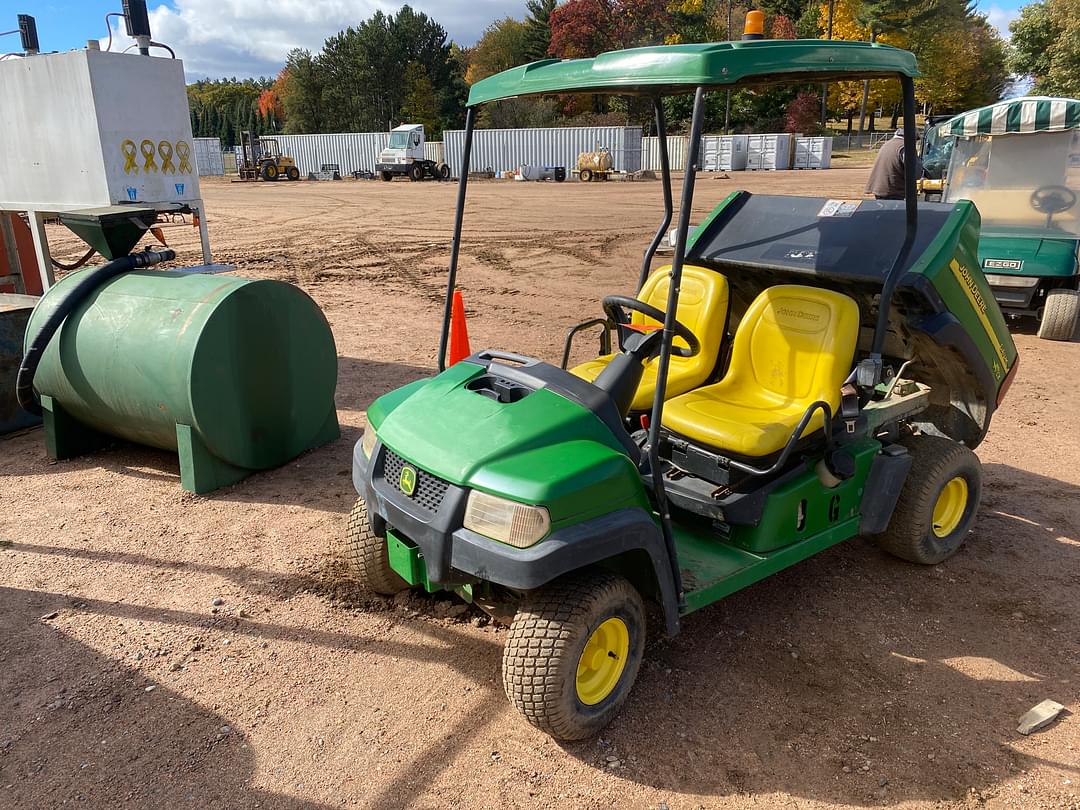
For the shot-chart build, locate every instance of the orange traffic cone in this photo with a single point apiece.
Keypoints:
(459, 332)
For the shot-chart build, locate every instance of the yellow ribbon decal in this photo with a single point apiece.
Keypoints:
(183, 151)
(148, 153)
(971, 290)
(164, 149)
(128, 149)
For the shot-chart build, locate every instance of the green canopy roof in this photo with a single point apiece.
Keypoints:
(673, 69)
(1014, 115)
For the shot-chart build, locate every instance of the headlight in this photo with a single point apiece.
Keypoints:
(515, 524)
(1011, 281)
(367, 443)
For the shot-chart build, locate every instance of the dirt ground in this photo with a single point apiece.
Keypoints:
(850, 680)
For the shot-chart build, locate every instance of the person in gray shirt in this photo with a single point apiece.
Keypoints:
(887, 177)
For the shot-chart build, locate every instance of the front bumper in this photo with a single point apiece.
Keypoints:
(455, 555)
(393, 168)
(1017, 299)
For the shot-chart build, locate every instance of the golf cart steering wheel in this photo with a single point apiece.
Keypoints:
(1053, 199)
(615, 306)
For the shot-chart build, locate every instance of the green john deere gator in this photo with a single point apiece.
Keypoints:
(805, 371)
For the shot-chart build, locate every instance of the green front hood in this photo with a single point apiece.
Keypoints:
(543, 449)
(1037, 256)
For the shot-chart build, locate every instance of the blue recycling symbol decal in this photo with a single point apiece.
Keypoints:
(179, 189)
(133, 193)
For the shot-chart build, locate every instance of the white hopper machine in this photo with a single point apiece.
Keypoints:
(101, 141)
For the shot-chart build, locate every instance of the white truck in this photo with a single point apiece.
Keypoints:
(404, 155)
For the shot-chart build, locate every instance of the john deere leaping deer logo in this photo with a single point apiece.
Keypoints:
(407, 480)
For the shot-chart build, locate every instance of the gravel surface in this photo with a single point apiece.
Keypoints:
(168, 650)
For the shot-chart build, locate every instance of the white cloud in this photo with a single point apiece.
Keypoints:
(220, 38)
(1001, 17)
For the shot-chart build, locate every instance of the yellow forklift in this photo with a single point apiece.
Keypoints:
(261, 158)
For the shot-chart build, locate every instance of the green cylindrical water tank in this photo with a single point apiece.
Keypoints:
(236, 374)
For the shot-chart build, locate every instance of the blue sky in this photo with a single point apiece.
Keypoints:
(251, 37)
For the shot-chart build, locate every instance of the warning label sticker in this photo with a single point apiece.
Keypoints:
(839, 208)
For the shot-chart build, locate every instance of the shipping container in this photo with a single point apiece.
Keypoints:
(813, 153)
(724, 153)
(677, 146)
(768, 152)
(433, 151)
(351, 151)
(208, 158)
(506, 149)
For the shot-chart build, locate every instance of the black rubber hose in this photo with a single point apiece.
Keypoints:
(89, 281)
(77, 264)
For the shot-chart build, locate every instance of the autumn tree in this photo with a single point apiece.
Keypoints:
(421, 105)
(881, 17)
(783, 28)
(964, 65)
(270, 106)
(1045, 45)
(803, 114)
(1031, 48)
(581, 28)
(504, 44)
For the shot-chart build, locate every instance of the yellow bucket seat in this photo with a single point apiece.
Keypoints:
(703, 308)
(795, 345)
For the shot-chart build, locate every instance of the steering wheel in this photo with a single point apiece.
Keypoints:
(1053, 199)
(615, 307)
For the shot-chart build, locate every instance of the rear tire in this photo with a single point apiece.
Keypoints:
(591, 622)
(416, 172)
(1060, 315)
(938, 503)
(442, 171)
(585, 175)
(386, 177)
(292, 173)
(367, 557)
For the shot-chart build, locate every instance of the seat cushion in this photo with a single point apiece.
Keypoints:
(703, 307)
(680, 379)
(745, 427)
(795, 345)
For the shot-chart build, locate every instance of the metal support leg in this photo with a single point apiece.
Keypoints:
(204, 234)
(41, 249)
(11, 250)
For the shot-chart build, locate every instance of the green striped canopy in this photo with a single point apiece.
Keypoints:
(1027, 114)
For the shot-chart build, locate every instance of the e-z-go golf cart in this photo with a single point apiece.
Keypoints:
(1019, 162)
(804, 372)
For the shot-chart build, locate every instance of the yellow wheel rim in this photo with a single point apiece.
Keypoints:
(602, 661)
(950, 507)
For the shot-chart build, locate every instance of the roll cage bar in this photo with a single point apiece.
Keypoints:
(868, 372)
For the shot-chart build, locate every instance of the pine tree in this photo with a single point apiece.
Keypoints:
(538, 25)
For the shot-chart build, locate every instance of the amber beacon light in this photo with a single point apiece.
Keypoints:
(755, 25)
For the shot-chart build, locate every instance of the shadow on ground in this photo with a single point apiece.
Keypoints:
(70, 710)
(856, 678)
(851, 678)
